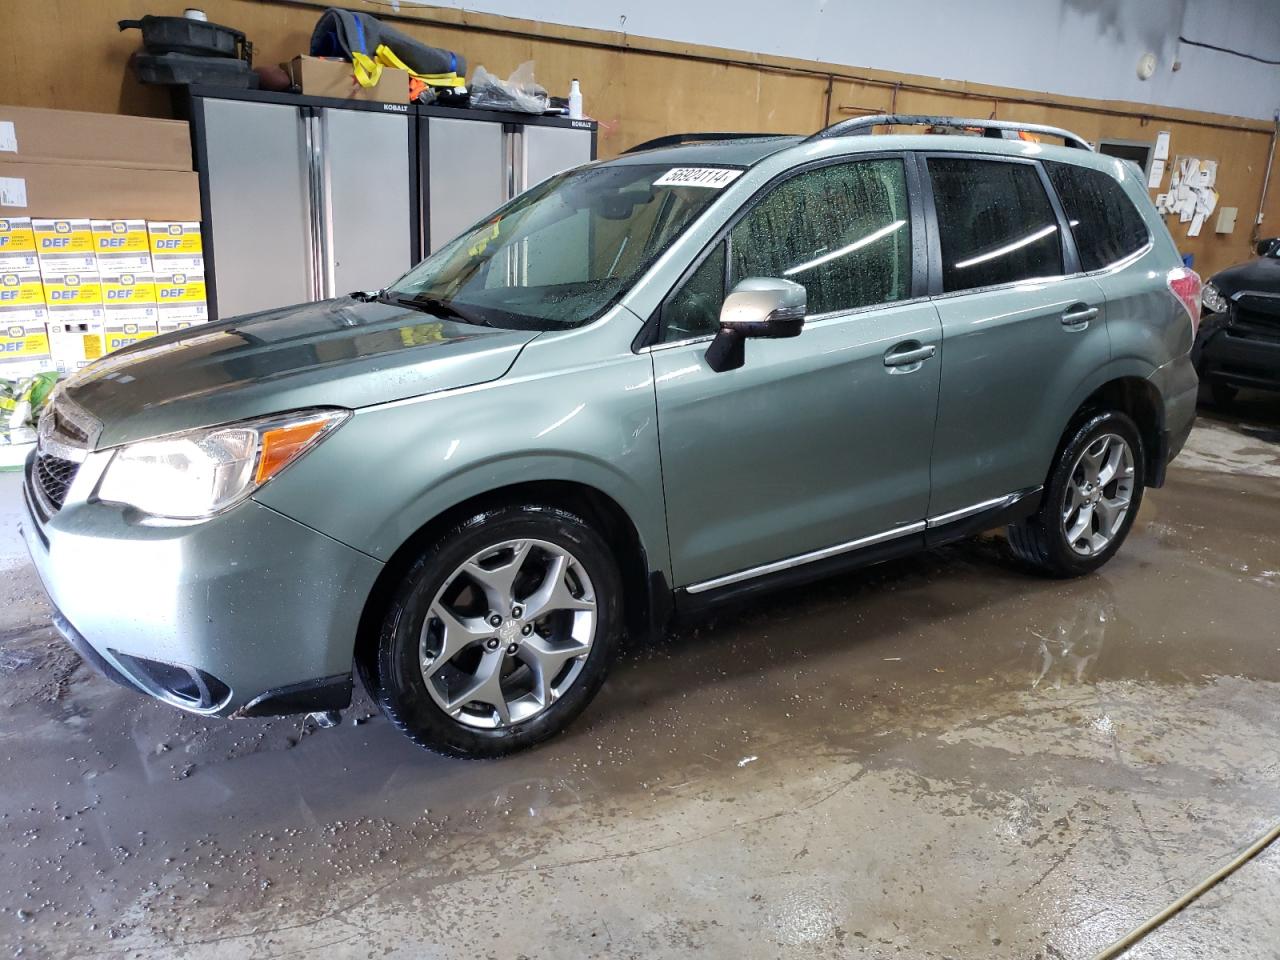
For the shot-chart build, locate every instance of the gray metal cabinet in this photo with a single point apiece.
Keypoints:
(307, 198)
(364, 171)
(466, 175)
(255, 180)
(548, 150)
(473, 161)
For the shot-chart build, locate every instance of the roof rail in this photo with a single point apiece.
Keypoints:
(990, 128)
(675, 139)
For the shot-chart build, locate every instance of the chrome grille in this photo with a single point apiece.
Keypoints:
(53, 477)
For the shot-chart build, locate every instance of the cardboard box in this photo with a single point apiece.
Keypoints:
(121, 246)
(75, 338)
(182, 302)
(130, 309)
(34, 134)
(17, 246)
(176, 247)
(82, 190)
(24, 347)
(22, 292)
(64, 247)
(322, 77)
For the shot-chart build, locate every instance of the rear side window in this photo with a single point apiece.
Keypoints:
(995, 223)
(1106, 225)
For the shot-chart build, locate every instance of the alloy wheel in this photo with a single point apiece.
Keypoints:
(1099, 494)
(508, 633)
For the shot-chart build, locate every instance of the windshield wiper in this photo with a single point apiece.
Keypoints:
(436, 307)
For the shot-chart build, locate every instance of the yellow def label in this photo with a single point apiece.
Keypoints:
(128, 290)
(21, 290)
(120, 236)
(93, 346)
(16, 236)
(180, 238)
(63, 236)
(122, 338)
(22, 343)
(179, 289)
(73, 290)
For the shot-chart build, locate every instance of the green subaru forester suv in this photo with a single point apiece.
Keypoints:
(711, 366)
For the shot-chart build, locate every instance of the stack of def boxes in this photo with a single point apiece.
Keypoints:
(24, 340)
(178, 259)
(85, 194)
(72, 291)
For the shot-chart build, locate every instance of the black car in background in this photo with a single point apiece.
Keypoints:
(1239, 340)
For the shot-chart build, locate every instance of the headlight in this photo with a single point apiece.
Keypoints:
(188, 476)
(1213, 300)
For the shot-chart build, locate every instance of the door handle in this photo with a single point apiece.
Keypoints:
(1078, 316)
(910, 354)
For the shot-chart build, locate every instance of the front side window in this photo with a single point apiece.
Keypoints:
(843, 232)
(995, 223)
(1106, 225)
(558, 255)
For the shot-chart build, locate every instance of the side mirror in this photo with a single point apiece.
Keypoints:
(1263, 247)
(757, 307)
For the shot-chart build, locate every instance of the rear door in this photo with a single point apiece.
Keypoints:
(821, 442)
(1116, 248)
(1021, 327)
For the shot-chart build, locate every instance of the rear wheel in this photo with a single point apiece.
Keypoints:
(501, 633)
(1090, 502)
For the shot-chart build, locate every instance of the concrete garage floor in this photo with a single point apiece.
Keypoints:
(940, 757)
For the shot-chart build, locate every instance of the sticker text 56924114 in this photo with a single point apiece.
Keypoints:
(713, 177)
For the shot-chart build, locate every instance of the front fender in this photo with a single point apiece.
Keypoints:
(392, 469)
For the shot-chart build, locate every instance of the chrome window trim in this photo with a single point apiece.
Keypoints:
(1127, 260)
(815, 318)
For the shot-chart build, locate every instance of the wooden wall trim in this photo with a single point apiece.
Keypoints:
(613, 40)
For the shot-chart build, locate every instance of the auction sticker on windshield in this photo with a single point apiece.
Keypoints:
(714, 177)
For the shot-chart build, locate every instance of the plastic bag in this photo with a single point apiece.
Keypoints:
(20, 404)
(519, 92)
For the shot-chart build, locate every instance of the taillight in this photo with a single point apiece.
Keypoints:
(1184, 283)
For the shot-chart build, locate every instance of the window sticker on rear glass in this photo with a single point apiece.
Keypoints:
(713, 177)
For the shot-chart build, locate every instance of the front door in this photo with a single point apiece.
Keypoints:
(820, 441)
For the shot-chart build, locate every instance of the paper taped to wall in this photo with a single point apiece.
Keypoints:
(1157, 174)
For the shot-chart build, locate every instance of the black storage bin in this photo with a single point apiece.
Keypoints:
(161, 35)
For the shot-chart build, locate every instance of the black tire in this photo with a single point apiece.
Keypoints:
(1224, 395)
(395, 677)
(1039, 540)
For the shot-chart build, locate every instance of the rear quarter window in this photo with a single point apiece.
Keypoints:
(1106, 225)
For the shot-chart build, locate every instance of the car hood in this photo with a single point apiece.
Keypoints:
(337, 353)
(1262, 274)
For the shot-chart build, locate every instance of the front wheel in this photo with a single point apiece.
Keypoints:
(1090, 502)
(501, 633)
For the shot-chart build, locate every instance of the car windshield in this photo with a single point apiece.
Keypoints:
(558, 255)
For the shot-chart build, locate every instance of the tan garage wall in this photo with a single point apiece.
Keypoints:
(638, 88)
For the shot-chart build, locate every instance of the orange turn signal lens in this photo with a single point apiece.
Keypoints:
(281, 445)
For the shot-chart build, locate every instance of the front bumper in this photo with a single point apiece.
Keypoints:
(249, 612)
(1222, 355)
